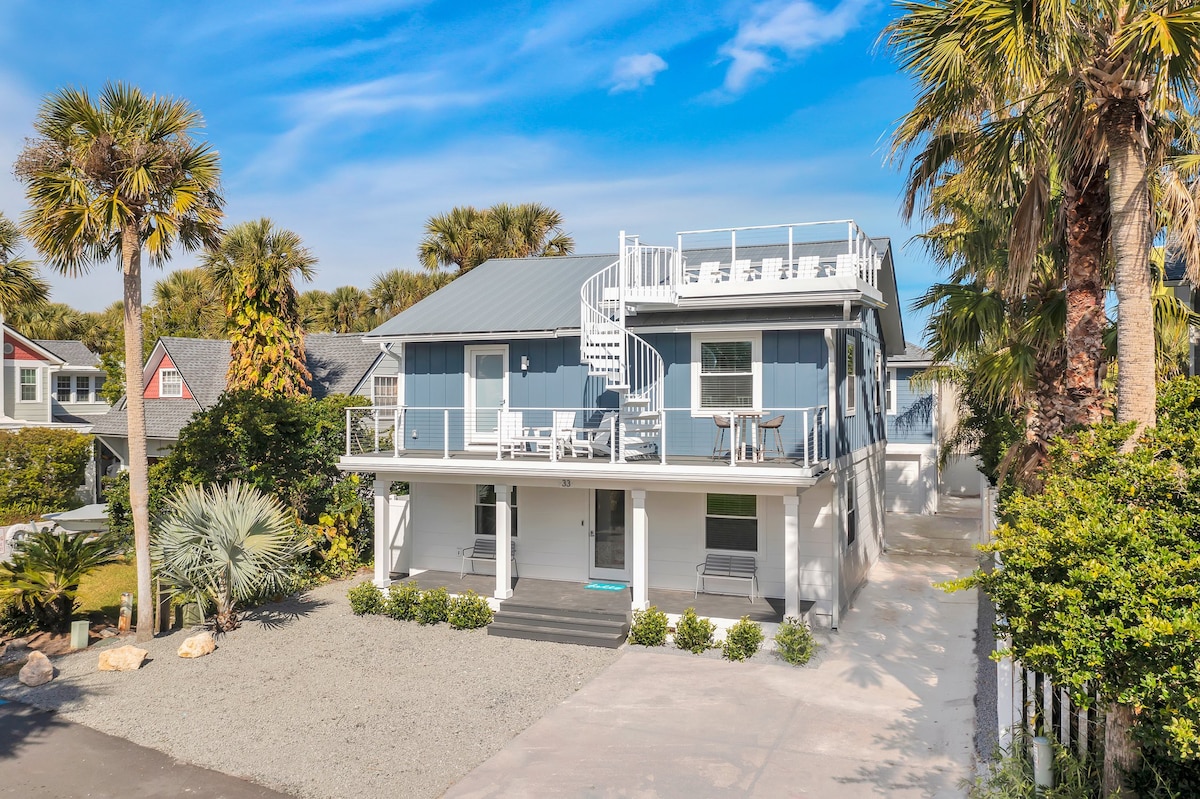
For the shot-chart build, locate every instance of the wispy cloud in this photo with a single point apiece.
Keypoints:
(784, 29)
(636, 71)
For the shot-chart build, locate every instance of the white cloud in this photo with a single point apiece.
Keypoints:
(787, 29)
(636, 71)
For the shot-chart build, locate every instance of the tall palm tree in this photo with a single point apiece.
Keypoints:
(466, 237)
(51, 320)
(113, 177)
(347, 310)
(183, 307)
(398, 289)
(253, 271)
(20, 283)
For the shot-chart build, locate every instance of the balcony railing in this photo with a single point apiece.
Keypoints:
(734, 437)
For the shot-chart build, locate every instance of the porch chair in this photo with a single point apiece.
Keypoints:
(719, 448)
(710, 272)
(774, 426)
(808, 266)
(587, 442)
(514, 438)
(772, 269)
(484, 548)
(846, 264)
(563, 432)
(741, 272)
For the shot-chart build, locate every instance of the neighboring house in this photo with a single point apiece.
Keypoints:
(911, 476)
(50, 383)
(1175, 278)
(608, 413)
(186, 375)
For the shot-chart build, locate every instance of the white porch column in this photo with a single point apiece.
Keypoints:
(383, 535)
(641, 553)
(503, 543)
(791, 556)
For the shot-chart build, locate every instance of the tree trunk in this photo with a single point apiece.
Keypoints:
(1120, 751)
(1130, 202)
(1086, 206)
(135, 420)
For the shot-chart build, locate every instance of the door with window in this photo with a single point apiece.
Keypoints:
(486, 392)
(609, 553)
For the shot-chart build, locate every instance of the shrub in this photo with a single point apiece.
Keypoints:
(743, 640)
(366, 599)
(1011, 776)
(402, 601)
(14, 620)
(434, 606)
(649, 627)
(43, 576)
(42, 467)
(794, 642)
(693, 633)
(469, 611)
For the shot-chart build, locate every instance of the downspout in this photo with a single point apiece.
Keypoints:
(835, 482)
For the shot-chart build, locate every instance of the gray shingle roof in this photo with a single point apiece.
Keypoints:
(164, 419)
(338, 362)
(913, 353)
(75, 353)
(203, 363)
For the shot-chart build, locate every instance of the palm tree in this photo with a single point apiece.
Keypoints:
(310, 305)
(20, 283)
(44, 574)
(224, 546)
(111, 178)
(466, 237)
(51, 320)
(253, 270)
(346, 310)
(183, 307)
(398, 289)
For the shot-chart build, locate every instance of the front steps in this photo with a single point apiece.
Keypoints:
(560, 625)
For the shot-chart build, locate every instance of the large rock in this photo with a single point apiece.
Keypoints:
(198, 645)
(38, 670)
(123, 658)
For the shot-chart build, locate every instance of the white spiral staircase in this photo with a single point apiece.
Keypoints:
(631, 367)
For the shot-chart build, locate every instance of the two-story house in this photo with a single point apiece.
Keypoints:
(623, 417)
(184, 376)
(49, 383)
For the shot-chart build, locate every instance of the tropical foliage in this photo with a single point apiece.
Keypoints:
(43, 468)
(225, 546)
(466, 237)
(20, 282)
(120, 175)
(253, 272)
(43, 576)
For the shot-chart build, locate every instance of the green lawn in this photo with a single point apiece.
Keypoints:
(100, 592)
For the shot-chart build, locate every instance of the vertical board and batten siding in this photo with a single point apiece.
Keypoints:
(866, 426)
(909, 425)
(857, 558)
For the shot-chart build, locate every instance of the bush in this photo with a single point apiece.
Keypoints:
(43, 576)
(434, 607)
(794, 642)
(693, 633)
(743, 640)
(469, 611)
(402, 601)
(1011, 777)
(649, 627)
(365, 599)
(116, 494)
(43, 468)
(15, 621)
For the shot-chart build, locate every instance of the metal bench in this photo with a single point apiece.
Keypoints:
(728, 567)
(484, 548)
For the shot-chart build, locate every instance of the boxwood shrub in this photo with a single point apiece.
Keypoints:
(365, 599)
(649, 627)
(743, 639)
(693, 633)
(469, 611)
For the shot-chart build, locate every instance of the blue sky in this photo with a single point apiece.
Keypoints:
(352, 122)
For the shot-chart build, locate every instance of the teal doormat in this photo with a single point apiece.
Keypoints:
(606, 586)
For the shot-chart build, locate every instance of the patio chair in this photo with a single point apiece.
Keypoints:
(515, 439)
(808, 266)
(719, 448)
(847, 264)
(587, 442)
(741, 272)
(773, 426)
(710, 272)
(564, 422)
(772, 269)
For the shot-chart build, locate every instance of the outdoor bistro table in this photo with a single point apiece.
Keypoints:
(743, 420)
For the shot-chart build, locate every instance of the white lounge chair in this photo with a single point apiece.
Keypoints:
(741, 272)
(772, 269)
(710, 272)
(588, 442)
(807, 266)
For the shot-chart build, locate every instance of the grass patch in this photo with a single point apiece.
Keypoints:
(100, 592)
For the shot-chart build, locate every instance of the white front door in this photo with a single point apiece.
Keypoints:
(609, 547)
(486, 392)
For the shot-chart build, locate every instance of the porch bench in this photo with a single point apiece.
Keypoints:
(728, 567)
(484, 548)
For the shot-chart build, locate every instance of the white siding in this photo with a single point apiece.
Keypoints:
(905, 488)
(857, 558)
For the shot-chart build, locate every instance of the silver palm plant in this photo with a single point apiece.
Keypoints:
(225, 545)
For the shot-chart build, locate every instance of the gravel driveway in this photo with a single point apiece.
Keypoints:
(309, 699)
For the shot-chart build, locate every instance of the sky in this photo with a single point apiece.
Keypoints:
(352, 122)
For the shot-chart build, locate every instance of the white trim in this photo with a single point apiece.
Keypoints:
(892, 386)
(471, 437)
(852, 347)
(594, 571)
(162, 390)
(756, 355)
(374, 396)
(37, 385)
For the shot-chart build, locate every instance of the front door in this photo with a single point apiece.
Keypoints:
(609, 556)
(486, 392)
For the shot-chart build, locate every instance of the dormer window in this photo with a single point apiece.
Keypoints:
(170, 384)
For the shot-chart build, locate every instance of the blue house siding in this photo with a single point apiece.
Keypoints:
(866, 426)
(913, 421)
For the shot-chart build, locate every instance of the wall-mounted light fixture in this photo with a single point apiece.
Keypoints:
(524, 363)
(414, 434)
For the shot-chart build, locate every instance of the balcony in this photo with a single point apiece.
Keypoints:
(592, 440)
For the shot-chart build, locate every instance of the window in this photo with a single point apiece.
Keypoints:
(878, 381)
(890, 387)
(385, 391)
(731, 522)
(726, 373)
(62, 390)
(83, 389)
(485, 510)
(29, 385)
(851, 376)
(170, 384)
(851, 509)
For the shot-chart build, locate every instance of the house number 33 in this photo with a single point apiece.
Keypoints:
(566, 483)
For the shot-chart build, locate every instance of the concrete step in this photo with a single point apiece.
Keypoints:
(580, 623)
(587, 614)
(608, 640)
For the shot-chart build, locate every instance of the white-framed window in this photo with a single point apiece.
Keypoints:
(726, 372)
(485, 509)
(385, 391)
(29, 385)
(851, 375)
(879, 399)
(83, 388)
(851, 509)
(731, 522)
(890, 387)
(170, 384)
(62, 388)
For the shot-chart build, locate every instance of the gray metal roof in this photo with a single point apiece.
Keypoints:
(503, 295)
(75, 353)
(164, 419)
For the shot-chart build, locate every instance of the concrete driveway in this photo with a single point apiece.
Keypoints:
(885, 710)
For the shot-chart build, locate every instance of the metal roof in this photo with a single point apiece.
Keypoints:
(75, 353)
